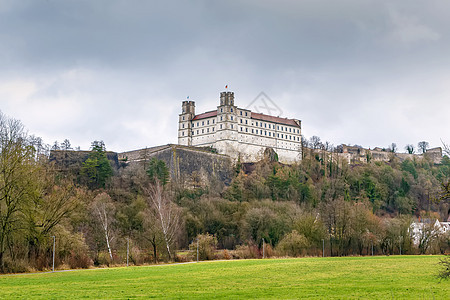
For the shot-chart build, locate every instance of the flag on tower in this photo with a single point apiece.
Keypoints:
(226, 86)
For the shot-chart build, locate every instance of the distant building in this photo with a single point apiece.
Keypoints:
(433, 226)
(240, 133)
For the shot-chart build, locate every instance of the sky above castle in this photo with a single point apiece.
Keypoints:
(367, 72)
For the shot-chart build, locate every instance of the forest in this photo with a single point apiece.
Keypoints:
(320, 206)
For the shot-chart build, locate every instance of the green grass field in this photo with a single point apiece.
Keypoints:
(394, 277)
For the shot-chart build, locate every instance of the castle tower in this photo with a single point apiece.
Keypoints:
(185, 124)
(227, 98)
(227, 130)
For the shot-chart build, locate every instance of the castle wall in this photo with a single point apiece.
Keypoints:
(189, 166)
(356, 155)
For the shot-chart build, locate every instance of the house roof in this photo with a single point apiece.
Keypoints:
(285, 121)
(205, 115)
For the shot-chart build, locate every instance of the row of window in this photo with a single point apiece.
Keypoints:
(260, 124)
(270, 134)
(254, 131)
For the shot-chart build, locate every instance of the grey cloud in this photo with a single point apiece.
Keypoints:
(352, 70)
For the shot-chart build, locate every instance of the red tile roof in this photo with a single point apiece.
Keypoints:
(205, 115)
(273, 119)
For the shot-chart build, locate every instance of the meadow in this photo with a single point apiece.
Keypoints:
(378, 277)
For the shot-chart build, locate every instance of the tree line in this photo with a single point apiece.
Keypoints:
(95, 211)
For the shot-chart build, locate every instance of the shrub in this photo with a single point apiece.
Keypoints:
(79, 260)
(293, 244)
(444, 272)
(207, 245)
(247, 251)
(224, 254)
(16, 266)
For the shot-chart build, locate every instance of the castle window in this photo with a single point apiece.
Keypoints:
(221, 118)
(269, 126)
(207, 122)
(278, 127)
(298, 131)
(182, 133)
(197, 124)
(261, 124)
(214, 121)
(253, 131)
(242, 129)
(282, 136)
(265, 132)
(213, 129)
(246, 129)
(231, 118)
(241, 112)
(197, 131)
(183, 118)
(231, 109)
(265, 125)
(290, 129)
(207, 130)
(220, 126)
(278, 135)
(269, 133)
(298, 139)
(182, 125)
(203, 130)
(246, 122)
(241, 121)
(203, 123)
(245, 113)
(231, 126)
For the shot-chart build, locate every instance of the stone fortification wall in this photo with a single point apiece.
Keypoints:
(189, 166)
(355, 155)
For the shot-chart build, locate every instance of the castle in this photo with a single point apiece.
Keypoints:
(240, 133)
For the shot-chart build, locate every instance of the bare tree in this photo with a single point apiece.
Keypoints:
(104, 209)
(55, 146)
(166, 212)
(427, 233)
(315, 142)
(446, 148)
(19, 180)
(66, 145)
(423, 146)
(393, 148)
(410, 148)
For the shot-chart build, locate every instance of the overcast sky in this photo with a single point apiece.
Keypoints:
(367, 72)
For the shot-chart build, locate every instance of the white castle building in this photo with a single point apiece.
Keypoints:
(240, 133)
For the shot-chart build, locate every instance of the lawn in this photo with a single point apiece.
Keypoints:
(393, 277)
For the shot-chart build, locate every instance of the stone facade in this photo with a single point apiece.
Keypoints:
(188, 166)
(354, 155)
(239, 133)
